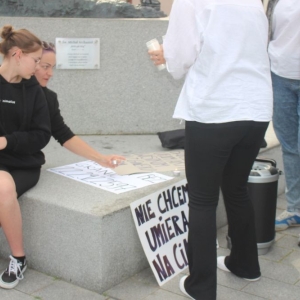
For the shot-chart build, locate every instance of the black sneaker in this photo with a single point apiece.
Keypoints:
(13, 274)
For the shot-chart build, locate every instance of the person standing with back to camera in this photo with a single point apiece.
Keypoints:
(24, 131)
(284, 52)
(220, 46)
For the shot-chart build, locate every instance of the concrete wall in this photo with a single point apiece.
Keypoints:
(127, 95)
(77, 9)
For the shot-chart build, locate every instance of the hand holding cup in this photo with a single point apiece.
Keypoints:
(156, 53)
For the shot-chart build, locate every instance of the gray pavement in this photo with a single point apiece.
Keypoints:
(280, 278)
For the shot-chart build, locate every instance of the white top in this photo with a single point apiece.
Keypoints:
(284, 47)
(221, 47)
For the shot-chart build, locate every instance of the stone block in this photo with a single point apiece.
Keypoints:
(83, 234)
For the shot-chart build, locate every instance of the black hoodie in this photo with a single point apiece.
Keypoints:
(25, 122)
(60, 131)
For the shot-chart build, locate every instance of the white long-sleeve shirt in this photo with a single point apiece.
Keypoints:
(221, 48)
(284, 47)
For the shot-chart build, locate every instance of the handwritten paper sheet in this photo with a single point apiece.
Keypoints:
(91, 173)
(152, 162)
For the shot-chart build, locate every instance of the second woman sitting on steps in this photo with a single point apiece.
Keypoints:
(60, 131)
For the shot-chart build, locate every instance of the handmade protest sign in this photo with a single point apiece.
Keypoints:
(161, 221)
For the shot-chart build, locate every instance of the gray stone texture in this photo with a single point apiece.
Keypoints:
(143, 285)
(83, 234)
(127, 95)
(77, 8)
(280, 279)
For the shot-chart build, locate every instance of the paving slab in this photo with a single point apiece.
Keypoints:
(293, 259)
(162, 294)
(279, 271)
(273, 289)
(225, 293)
(276, 253)
(14, 295)
(133, 288)
(280, 280)
(34, 281)
(289, 241)
(65, 291)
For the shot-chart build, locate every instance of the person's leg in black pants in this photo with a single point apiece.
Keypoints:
(243, 259)
(208, 149)
(25, 179)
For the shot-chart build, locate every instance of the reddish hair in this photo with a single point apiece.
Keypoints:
(22, 38)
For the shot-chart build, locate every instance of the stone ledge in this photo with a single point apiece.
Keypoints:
(82, 234)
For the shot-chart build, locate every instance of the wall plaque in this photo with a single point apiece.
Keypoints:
(77, 53)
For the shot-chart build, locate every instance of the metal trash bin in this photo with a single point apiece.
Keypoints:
(262, 188)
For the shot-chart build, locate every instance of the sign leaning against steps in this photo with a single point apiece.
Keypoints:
(161, 221)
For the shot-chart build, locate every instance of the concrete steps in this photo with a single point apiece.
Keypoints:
(83, 234)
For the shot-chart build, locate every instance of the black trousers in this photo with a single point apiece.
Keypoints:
(220, 156)
(24, 179)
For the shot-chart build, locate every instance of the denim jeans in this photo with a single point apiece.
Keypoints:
(220, 156)
(286, 123)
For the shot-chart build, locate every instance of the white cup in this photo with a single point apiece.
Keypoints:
(154, 45)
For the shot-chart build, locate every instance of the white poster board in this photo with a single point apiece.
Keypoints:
(161, 220)
(91, 173)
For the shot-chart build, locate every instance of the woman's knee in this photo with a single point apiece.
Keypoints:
(7, 194)
(7, 188)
